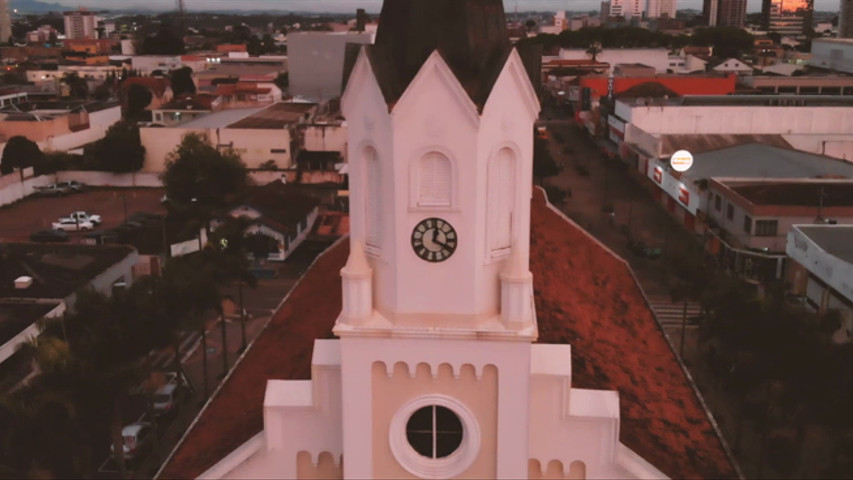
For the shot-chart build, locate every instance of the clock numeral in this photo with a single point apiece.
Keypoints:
(421, 228)
(431, 256)
(451, 244)
(422, 252)
(418, 235)
(439, 256)
(440, 224)
(451, 235)
(417, 244)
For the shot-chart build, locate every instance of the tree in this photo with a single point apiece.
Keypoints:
(164, 42)
(120, 150)
(282, 81)
(182, 81)
(543, 162)
(20, 153)
(728, 42)
(593, 50)
(530, 25)
(201, 177)
(138, 98)
(77, 87)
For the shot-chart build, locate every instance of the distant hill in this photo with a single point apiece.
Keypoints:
(35, 6)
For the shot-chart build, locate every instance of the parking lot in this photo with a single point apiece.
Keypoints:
(19, 220)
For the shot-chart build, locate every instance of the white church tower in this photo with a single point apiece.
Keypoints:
(435, 374)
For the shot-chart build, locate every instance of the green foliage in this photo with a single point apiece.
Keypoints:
(201, 177)
(164, 42)
(283, 81)
(543, 162)
(120, 150)
(138, 98)
(78, 88)
(728, 42)
(182, 81)
(19, 153)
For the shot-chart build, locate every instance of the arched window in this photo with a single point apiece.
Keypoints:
(372, 199)
(435, 180)
(501, 198)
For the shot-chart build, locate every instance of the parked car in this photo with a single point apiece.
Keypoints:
(54, 190)
(168, 398)
(83, 217)
(72, 186)
(138, 437)
(49, 236)
(70, 225)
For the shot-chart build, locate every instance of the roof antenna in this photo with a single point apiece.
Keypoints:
(516, 12)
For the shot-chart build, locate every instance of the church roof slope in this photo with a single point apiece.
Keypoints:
(616, 342)
(618, 345)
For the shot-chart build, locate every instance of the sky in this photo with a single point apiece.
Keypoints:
(339, 6)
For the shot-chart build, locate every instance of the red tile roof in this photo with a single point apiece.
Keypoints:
(585, 296)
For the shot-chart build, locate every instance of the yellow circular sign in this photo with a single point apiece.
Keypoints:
(681, 161)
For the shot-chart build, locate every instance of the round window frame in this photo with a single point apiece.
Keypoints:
(446, 467)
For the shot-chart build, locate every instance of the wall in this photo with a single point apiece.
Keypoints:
(836, 273)
(316, 61)
(9, 348)
(835, 55)
(254, 145)
(653, 57)
(326, 138)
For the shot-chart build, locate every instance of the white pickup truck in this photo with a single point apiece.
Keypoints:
(82, 217)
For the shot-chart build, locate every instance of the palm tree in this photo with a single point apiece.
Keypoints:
(593, 50)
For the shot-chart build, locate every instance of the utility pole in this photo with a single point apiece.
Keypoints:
(182, 27)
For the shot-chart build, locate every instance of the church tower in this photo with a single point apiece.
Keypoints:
(436, 373)
(438, 310)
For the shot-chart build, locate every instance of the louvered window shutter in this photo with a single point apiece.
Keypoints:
(500, 201)
(435, 180)
(373, 190)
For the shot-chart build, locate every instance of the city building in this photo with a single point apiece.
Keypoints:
(5, 22)
(260, 135)
(788, 17)
(804, 84)
(445, 365)
(819, 124)
(81, 24)
(627, 9)
(185, 108)
(820, 269)
(832, 54)
(660, 8)
(284, 213)
(731, 13)
(605, 11)
(710, 12)
(58, 126)
(845, 19)
(657, 58)
(315, 62)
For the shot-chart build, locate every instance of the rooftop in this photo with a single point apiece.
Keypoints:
(57, 270)
(616, 344)
(221, 119)
(756, 100)
(694, 144)
(836, 240)
(276, 116)
(286, 205)
(834, 194)
(756, 161)
(17, 316)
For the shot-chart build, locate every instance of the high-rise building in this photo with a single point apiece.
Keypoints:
(724, 13)
(627, 9)
(5, 22)
(788, 17)
(605, 11)
(845, 19)
(81, 24)
(660, 8)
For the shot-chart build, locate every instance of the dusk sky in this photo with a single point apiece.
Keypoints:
(370, 5)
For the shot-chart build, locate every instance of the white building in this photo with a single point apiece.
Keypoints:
(660, 8)
(81, 24)
(815, 124)
(657, 58)
(259, 135)
(627, 8)
(436, 373)
(833, 54)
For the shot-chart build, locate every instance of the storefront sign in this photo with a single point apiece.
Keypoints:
(681, 161)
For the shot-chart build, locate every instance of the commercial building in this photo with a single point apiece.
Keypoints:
(81, 24)
(657, 58)
(724, 13)
(845, 19)
(832, 54)
(660, 8)
(819, 124)
(259, 135)
(627, 9)
(59, 126)
(821, 269)
(316, 62)
(809, 84)
(788, 17)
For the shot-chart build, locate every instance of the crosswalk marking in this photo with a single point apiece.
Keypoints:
(670, 314)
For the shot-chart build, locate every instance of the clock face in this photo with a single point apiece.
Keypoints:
(434, 240)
